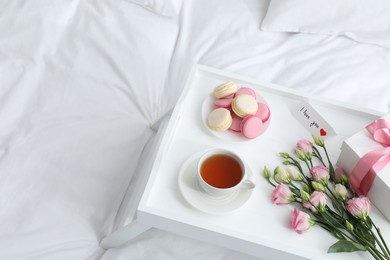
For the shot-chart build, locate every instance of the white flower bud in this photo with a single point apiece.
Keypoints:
(294, 173)
(318, 140)
(281, 175)
(340, 192)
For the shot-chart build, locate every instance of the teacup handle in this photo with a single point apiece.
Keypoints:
(248, 183)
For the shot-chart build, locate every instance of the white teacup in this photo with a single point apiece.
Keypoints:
(222, 172)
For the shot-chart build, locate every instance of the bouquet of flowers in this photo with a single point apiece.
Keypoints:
(326, 199)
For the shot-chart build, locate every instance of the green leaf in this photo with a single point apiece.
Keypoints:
(345, 246)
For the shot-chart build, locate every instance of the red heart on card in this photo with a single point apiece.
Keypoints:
(322, 132)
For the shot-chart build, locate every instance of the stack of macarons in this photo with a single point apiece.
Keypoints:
(237, 109)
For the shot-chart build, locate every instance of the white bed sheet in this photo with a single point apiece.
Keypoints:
(81, 84)
(79, 87)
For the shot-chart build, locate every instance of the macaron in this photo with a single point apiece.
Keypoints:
(219, 119)
(223, 102)
(251, 126)
(263, 112)
(225, 89)
(244, 105)
(236, 124)
(245, 90)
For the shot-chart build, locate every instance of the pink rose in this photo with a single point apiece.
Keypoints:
(320, 174)
(300, 221)
(306, 147)
(359, 207)
(282, 195)
(317, 200)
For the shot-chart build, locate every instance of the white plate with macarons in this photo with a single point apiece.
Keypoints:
(235, 113)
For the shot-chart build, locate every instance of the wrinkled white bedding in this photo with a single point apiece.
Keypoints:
(82, 83)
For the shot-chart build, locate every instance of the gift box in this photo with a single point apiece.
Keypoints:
(365, 157)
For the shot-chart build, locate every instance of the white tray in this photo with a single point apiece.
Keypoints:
(258, 228)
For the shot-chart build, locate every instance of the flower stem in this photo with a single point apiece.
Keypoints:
(385, 253)
(384, 247)
(298, 165)
(269, 181)
(355, 237)
(326, 226)
(308, 166)
(311, 163)
(374, 254)
(330, 191)
(318, 155)
(295, 187)
(331, 169)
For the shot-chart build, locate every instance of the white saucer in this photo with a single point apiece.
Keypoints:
(202, 201)
(228, 135)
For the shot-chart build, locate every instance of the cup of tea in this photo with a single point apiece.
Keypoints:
(222, 172)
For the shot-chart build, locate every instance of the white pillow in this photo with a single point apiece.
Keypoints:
(163, 7)
(366, 21)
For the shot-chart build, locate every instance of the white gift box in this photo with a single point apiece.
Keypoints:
(352, 150)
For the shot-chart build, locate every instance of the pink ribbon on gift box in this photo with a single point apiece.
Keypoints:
(365, 171)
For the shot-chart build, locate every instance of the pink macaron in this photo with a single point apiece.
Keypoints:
(236, 124)
(223, 102)
(263, 112)
(245, 90)
(251, 126)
